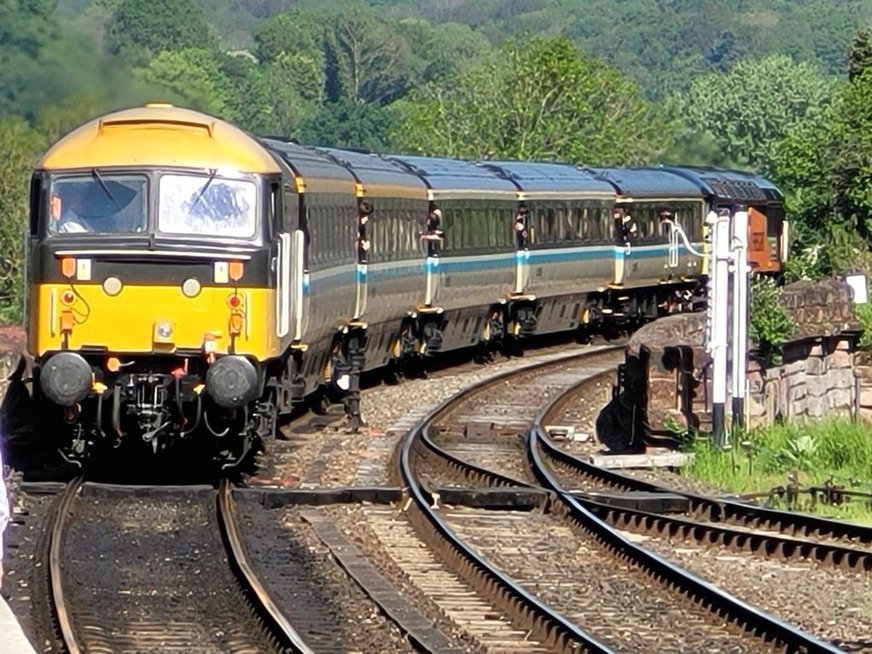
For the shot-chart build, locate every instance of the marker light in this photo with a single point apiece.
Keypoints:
(234, 270)
(68, 297)
(235, 324)
(68, 267)
(113, 364)
(234, 301)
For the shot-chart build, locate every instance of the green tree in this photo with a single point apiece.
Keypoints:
(850, 154)
(753, 108)
(189, 77)
(538, 100)
(142, 28)
(290, 33)
(366, 60)
(21, 147)
(240, 81)
(348, 124)
(861, 55)
(296, 89)
(442, 51)
(40, 63)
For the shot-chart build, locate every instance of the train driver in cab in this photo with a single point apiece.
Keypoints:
(66, 212)
(96, 205)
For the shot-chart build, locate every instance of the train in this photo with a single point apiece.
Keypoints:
(190, 282)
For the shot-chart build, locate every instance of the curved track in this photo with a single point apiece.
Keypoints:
(638, 594)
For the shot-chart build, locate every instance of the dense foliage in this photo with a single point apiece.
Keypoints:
(782, 88)
(541, 99)
(20, 146)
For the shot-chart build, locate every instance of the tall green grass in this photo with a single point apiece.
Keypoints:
(838, 451)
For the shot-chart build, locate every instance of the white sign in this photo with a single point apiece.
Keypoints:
(858, 286)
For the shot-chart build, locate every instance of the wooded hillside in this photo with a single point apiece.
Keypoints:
(777, 86)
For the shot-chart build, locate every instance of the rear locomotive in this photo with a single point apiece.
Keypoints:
(151, 284)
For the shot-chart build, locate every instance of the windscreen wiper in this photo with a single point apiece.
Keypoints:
(96, 175)
(202, 191)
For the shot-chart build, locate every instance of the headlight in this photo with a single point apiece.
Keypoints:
(191, 287)
(112, 286)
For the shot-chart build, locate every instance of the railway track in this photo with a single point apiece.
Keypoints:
(820, 562)
(135, 569)
(622, 597)
(731, 522)
(429, 598)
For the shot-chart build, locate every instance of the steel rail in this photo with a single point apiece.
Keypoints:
(56, 587)
(715, 509)
(269, 610)
(751, 619)
(552, 627)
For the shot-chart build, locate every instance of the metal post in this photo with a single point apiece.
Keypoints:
(740, 316)
(718, 306)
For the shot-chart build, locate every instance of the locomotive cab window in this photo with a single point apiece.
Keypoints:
(99, 203)
(201, 205)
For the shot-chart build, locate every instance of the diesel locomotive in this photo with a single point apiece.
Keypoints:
(188, 281)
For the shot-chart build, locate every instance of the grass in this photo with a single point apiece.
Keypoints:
(834, 451)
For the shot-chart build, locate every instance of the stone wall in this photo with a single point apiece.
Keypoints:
(665, 383)
(816, 379)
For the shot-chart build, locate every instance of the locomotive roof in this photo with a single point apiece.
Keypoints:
(447, 178)
(158, 134)
(730, 186)
(649, 183)
(551, 179)
(377, 175)
(316, 170)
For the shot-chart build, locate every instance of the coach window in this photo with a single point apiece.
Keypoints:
(582, 223)
(479, 227)
(409, 231)
(552, 227)
(564, 216)
(588, 219)
(650, 230)
(451, 228)
(604, 219)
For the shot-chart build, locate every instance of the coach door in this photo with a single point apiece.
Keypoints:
(363, 245)
(621, 226)
(431, 239)
(522, 227)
